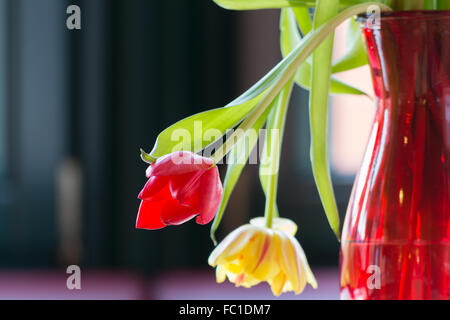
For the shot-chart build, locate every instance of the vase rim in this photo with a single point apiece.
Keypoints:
(410, 14)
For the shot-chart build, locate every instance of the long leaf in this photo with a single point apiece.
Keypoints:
(355, 55)
(189, 134)
(270, 159)
(320, 87)
(443, 5)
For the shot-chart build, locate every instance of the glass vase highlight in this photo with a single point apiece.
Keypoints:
(396, 235)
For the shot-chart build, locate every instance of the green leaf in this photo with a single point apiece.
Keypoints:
(430, 4)
(356, 55)
(265, 163)
(270, 158)
(273, 4)
(303, 79)
(290, 38)
(303, 19)
(320, 87)
(238, 157)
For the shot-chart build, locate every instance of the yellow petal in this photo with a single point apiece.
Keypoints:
(221, 274)
(280, 224)
(253, 253)
(299, 264)
(235, 268)
(303, 261)
(250, 255)
(288, 260)
(277, 284)
(231, 245)
(267, 266)
(249, 281)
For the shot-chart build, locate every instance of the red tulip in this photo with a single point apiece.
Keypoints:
(181, 186)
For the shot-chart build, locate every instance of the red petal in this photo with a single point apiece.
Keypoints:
(152, 187)
(184, 188)
(210, 192)
(149, 215)
(175, 214)
(180, 162)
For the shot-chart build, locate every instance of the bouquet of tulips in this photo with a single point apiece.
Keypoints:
(184, 182)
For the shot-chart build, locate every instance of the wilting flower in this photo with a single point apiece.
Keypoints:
(254, 253)
(181, 186)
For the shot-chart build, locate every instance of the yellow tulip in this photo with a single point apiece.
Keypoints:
(254, 253)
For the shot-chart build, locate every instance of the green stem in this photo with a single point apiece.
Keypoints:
(408, 5)
(277, 4)
(275, 152)
(303, 50)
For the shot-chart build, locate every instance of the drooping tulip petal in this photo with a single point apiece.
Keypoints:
(149, 215)
(154, 185)
(175, 214)
(231, 246)
(185, 188)
(180, 162)
(302, 261)
(265, 268)
(253, 253)
(210, 195)
(288, 261)
(221, 274)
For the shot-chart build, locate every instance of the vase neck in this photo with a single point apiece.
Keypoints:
(409, 55)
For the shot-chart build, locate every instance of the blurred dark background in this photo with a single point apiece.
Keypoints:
(76, 106)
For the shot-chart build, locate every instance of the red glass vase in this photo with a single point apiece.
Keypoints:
(396, 235)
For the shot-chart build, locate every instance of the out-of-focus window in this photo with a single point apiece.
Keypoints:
(3, 91)
(4, 190)
(350, 119)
